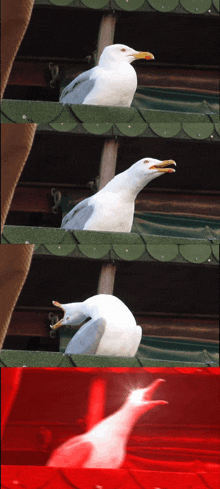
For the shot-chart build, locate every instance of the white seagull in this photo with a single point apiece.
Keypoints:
(104, 446)
(112, 208)
(112, 82)
(111, 331)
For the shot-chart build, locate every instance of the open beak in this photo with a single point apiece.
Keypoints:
(57, 325)
(163, 166)
(143, 55)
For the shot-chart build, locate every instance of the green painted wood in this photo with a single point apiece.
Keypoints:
(196, 253)
(166, 130)
(132, 129)
(63, 126)
(20, 358)
(32, 235)
(216, 4)
(215, 250)
(94, 251)
(95, 3)
(164, 5)
(163, 252)
(199, 131)
(31, 111)
(196, 6)
(217, 127)
(104, 361)
(62, 3)
(99, 128)
(102, 114)
(61, 249)
(102, 237)
(129, 252)
(130, 4)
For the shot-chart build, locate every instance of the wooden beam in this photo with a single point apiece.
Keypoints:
(36, 323)
(32, 199)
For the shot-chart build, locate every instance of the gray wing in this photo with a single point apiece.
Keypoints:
(73, 453)
(87, 338)
(78, 89)
(78, 216)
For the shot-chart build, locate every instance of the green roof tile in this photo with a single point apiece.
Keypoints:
(176, 6)
(120, 246)
(110, 120)
(20, 358)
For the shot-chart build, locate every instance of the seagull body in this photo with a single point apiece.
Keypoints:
(112, 208)
(112, 329)
(104, 446)
(112, 82)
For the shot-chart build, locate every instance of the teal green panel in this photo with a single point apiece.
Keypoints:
(148, 224)
(166, 363)
(199, 131)
(163, 5)
(216, 3)
(95, 3)
(132, 129)
(129, 252)
(97, 128)
(130, 4)
(174, 105)
(104, 114)
(61, 249)
(94, 251)
(196, 6)
(63, 126)
(61, 2)
(21, 234)
(195, 253)
(166, 130)
(163, 252)
(215, 250)
(31, 111)
(217, 127)
(104, 361)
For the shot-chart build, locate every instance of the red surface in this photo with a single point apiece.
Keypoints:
(51, 478)
(173, 446)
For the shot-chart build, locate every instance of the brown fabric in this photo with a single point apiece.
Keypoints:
(15, 19)
(17, 140)
(15, 261)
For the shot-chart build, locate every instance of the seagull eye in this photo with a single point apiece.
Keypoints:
(123, 49)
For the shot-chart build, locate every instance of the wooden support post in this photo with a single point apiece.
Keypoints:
(96, 403)
(110, 149)
(107, 172)
(107, 279)
(108, 162)
(106, 34)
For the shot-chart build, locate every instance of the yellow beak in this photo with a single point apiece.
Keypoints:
(57, 325)
(161, 166)
(143, 55)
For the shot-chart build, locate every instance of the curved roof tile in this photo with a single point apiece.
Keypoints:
(177, 6)
(114, 246)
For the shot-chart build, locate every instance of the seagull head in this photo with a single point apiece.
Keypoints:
(149, 168)
(120, 52)
(73, 314)
(142, 398)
